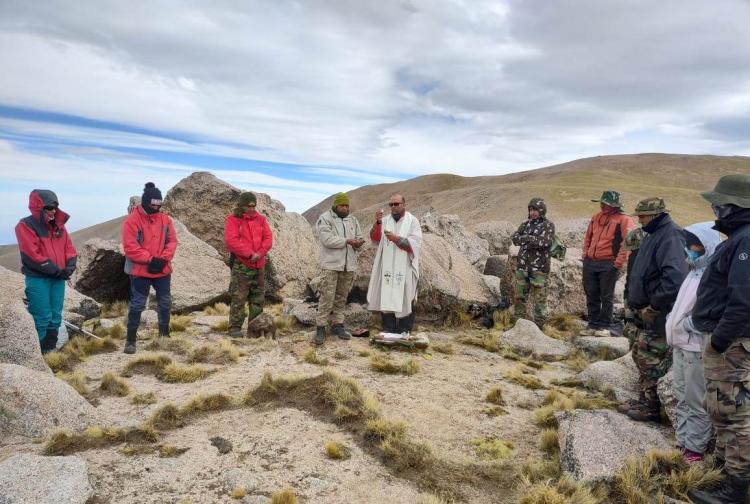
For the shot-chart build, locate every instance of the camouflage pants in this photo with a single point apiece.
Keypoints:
(728, 402)
(652, 355)
(334, 289)
(246, 285)
(536, 281)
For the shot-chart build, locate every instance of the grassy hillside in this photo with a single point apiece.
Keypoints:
(567, 188)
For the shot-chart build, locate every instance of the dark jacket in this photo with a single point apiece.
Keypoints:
(535, 237)
(723, 299)
(660, 267)
(45, 247)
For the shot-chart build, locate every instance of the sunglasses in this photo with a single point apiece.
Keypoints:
(50, 207)
(394, 204)
(722, 211)
(251, 205)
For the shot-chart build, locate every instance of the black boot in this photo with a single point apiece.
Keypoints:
(341, 333)
(49, 343)
(130, 341)
(389, 322)
(164, 331)
(650, 411)
(732, 490)
(624, 407)
(320, 335)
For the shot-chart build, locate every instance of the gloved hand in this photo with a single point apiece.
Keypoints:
(649, 315)
(156, 265)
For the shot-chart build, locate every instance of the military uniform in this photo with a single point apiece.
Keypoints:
(534, 236)
(654, 280)
(722, 308)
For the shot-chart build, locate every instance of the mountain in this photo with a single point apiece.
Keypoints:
(567, 189)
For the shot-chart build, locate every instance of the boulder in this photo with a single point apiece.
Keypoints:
(494, 285)
(591, 443)
(199, 277)
(666, 396)
(100, 272)
(356, 315)
(496, 265)
(619, 376)
(572, 231)
(497, 234)
(27, 478)
(19, 342)
(34, 403)
(607, 346)
(202, 202)
(526, 338)
(449, 227)
(77, 308)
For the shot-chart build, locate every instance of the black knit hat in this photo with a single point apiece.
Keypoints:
(151, 196)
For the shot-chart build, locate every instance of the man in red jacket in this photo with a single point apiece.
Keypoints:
(603, 259)
(248, 238)
(48, 258)
(149, 241)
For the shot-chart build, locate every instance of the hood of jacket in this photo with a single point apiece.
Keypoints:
(38, 199)
(540, 205)
(710, 239)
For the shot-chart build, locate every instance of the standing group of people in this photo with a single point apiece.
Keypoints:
(687, 293)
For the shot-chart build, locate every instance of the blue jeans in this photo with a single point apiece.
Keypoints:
(139, 289)
(46, 297)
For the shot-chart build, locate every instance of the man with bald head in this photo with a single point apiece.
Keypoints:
(395, 271)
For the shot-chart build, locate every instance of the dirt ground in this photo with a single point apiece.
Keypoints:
(274, 448)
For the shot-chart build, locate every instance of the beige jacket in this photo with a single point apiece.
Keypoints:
(333, 231)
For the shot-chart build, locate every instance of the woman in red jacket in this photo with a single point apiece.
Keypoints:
(248, 238)
(48, 258)
(149, 242)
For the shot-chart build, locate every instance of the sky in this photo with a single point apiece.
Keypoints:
(302, 99)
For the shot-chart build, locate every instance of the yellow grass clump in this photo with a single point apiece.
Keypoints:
(493, 449)
(488, 341)
(173, 344)
(117, 331)
(457, 319)
(64, 442)
(222, 352)
(548, 441)
(146, 364)
(525, 380)
(216, 309)
(178, 373)
(382, 363)
(495, 396)
(337, 451)
(286, 496)
(178, 323)
(239, 492)
(561, 326)
(114, 309)
(503, 319)
(76, 380)
(312, 357)
(145, 398)
(221, 326)
(112, 385)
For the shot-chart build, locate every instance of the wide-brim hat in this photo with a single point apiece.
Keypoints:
(730, 190)
(610, 198)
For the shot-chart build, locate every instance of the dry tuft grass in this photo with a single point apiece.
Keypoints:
(503, 319)
(363, 353)
(557, 400)
(117, 332)
(561, 326)
(577, 360)
(562, 491)
(337, 451)
(76, 380)
(493, 411)
(458, 319)
(146, 364)
(64, 442)
(443, 348)
(147, 398)
(207, 403)
(493, 449)
(286, 496)
(495, 396)
(382, 363)
(488, 341)
(548, 441)
(567, 382)
(223, 352)
(115, 309)
(311, 357)
(519, 377)
(534, 471)
(433, 499)
(166, 417)
(112, 385)
(216, 309)
(239, 492)
(221, 326)
(176, 345)
(178, 323)
(178, 373)
(284, 322)
(76, 350)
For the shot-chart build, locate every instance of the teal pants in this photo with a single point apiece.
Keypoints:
(46, 296)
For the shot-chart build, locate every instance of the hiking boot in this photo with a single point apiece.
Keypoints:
(602, 333)
(129, 347)
(691, 457)
(625, 406)
(235, 332)
(645, 412)
(164, 331)
(49, 343)
(339, 331)
(130, 338)
(732, 490)
(587, 332)
(320, 335)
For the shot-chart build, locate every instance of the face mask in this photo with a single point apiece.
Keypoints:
(723, 211)
(692, 255)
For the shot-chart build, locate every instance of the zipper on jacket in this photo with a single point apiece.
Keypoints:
(346, 245)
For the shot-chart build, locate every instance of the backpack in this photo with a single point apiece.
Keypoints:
(558, 249)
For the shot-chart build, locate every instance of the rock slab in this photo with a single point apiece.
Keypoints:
(619, 376)
(19, 342)
(613, 345)
(28, 478)
(526, 338)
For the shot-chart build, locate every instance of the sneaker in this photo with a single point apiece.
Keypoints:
(691, 457)
(320, 335)
(129, 347)
(341, 333)
(602, 333)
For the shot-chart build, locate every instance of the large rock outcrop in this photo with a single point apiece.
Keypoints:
(607, 347)
(33, 404)
(100, 272)
(19, 342)
(449, 227)
(77, 308)
(202, 202)
(592, 447)
(497, 234)
(526, 338)
(27, 478)
(619, 377)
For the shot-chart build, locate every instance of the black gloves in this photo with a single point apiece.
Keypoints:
(156, 265)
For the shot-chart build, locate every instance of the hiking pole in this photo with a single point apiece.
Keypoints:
(81, 330)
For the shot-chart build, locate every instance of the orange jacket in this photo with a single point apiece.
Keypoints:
(604, 238)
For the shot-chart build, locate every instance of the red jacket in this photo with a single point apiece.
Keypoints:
(248, 235)
(45, 247)
(145, 236)
(604, 238)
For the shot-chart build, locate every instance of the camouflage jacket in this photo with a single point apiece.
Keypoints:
(535, 237)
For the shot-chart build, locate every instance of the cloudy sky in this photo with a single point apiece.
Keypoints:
(301, 99)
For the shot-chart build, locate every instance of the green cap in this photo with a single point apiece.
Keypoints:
(650, 206)
(340, 199)
(730, 190)
(246, 198)
(633, 239)
(611, 198)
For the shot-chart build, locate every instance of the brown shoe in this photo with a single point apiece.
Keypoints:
(645, 412)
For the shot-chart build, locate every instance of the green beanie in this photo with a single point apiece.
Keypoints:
(246, 198)
(341, 199)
